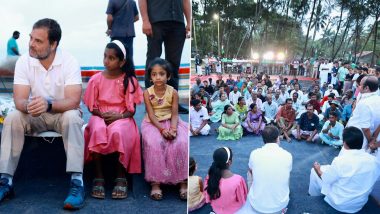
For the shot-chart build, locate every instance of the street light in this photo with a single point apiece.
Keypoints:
(216, 17)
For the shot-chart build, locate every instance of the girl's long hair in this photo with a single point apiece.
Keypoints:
(215, 172)
(128, 67)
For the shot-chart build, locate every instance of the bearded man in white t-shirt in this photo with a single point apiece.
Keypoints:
(47, 92)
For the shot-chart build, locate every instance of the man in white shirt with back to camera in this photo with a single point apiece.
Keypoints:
(269, 167)
(198, 119)
(350, 178)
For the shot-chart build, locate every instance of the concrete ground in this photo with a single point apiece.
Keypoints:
(41, 184)
(304, 154)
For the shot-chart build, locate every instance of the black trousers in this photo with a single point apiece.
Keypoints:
(172, 34)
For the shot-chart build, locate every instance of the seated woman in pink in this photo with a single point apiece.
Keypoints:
(227, 192)
(111, 97)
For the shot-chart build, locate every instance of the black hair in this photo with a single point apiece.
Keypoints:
(240, 98)
(252, 106)
(372, 83)
(309, 105)
(215, 172)
(333, 113)
(128, 68)
(16, 33)
(54, 30)
(332, 95)
(353, 137)
(295, 93)
(359, 79)
(195, 102)
(287, 100)
(270, 134)
(192, 165)
(163, 64)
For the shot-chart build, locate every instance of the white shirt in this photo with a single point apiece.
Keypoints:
(258, 102)
(270, 110)
(329, 91)
(49, 84)
(271, 166)
(299, 92)
(349, 180)
(234, 97)
(197, 117)
(278, 101)
(366, 114)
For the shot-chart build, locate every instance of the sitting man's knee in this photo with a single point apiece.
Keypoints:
(14, 115)
(71, 116)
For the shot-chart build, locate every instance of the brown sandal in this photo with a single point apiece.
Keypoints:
(98, 190)
(123, 189)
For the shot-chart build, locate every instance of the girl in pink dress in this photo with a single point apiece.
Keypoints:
(111, 96)
(164, 134)
(227, 192)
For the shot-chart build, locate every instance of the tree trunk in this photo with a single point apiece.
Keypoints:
(375, 40)
(337, 31)
(308, 29)
(343, 36)
(366, 41)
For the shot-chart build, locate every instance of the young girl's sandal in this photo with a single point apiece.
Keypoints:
(98, 188)
(120, 191)
(156, 194)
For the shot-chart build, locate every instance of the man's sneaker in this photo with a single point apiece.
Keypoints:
(6, 190)
(75, 199)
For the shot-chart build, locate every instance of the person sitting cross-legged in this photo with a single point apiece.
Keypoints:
(307, 126)
(198, 119)
(348, 181)
(332, 131)
(285, 119)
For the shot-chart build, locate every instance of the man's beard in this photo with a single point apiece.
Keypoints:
(42, 56)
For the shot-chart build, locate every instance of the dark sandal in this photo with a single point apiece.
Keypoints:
(98, 190)
(120, 189)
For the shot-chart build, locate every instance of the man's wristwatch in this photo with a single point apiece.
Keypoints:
(49, 106)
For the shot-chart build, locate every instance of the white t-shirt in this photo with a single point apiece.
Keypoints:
(271, 166)
(366, 114)
(349, 180)
(270, 110)
(234, 97)
(50, 83)
(197, 117)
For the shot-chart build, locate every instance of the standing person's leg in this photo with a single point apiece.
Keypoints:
(154, 48)
(128, 44)
(174, 40)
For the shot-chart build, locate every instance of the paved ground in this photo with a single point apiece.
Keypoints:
(304, 155)
(41, 183)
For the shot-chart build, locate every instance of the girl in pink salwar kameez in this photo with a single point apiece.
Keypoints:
(111, 96)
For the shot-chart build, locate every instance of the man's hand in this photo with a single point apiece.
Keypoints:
(317, 168)
(147, 28)
(331, 135)
(37, 106)
(309, 139)
(108, 32)
(188, 31)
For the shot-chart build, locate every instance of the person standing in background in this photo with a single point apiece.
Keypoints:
(12, 47)
(121, 16)
(163, 22)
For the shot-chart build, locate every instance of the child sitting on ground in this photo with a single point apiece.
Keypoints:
(196, 198)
